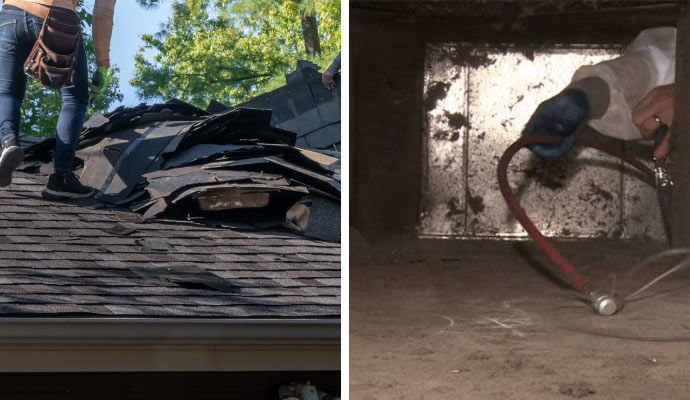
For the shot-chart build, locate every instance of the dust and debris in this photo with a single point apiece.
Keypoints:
(552, 174)
(457, 120)
(435, 93)
(455, 136)
(513, 363)
(577, 389)
(493, 128)
(474, 226)
(479, 355)
(421, 351)
(476, 203)
(442, 134)
(596, 190)
(519, 99)
(453, 209)
(471, 57)
(529, 54)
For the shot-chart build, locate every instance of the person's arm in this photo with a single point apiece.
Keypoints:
(103, 11)
(335, 65)
(604, 95)
(648, 62)
(328, 76)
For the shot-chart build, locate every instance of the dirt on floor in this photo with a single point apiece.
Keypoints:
(447, 319)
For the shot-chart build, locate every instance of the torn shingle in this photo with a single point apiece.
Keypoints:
(143, 166)
(120, 229)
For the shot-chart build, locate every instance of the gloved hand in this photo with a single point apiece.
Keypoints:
(559, 115)
(98, 84)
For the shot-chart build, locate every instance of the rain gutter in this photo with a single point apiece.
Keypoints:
(168, 344)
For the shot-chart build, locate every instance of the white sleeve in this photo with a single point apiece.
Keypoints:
(648, 62)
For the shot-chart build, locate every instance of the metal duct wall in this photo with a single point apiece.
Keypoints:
(476, 102)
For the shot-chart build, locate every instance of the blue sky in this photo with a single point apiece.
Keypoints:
(131, 21)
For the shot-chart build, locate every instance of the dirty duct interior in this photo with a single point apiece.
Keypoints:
(477, 100)
(273, 161)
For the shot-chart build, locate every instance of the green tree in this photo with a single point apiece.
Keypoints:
(307, 11)
(41, 106)
(231, 50)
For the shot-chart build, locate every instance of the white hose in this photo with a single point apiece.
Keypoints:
(654, 258)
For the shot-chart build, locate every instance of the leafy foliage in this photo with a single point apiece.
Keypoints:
(41, 106)
(149, 3)
(229, 50)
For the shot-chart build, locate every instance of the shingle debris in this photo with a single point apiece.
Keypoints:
(303, 106)
(176, 160)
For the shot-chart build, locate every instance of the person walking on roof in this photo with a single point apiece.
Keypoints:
(628, 97)
(28, 46)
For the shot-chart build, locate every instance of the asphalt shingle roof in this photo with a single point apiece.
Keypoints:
(58, 259)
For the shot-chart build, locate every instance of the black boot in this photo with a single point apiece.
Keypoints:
(65, 185)
(12, 155)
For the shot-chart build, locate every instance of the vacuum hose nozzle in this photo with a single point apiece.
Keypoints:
(606, 304)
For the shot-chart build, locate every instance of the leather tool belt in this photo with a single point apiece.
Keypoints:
(54, 56)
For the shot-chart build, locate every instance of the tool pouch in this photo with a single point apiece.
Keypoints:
(54, 56)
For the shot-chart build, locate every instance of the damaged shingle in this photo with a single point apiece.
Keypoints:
(175, 160)
(187, 276)
(303, 106)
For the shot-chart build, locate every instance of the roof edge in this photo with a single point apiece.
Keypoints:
(172, 331)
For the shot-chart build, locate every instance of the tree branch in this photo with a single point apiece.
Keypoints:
(213, 80)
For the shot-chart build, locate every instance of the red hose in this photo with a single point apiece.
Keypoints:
(573, 275)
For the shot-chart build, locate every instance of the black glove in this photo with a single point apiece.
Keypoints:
(559, 115)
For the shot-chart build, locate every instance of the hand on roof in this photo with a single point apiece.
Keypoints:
(328, 81)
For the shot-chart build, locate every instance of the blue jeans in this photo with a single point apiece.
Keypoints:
(18, 32)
